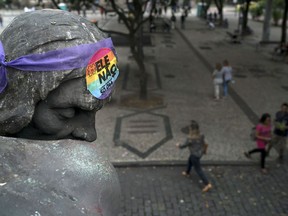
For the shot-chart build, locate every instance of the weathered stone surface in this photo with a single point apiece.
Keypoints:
(56, 178)
(63, 177)
(38, 32)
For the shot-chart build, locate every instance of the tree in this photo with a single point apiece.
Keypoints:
(267, 18)
(219, 5)
(133, 20)
(256, 9)
(2, 3)
(245, 10)
(284, 23)
(8, 3)
(55, 4)
(277, 10)
(206, 5)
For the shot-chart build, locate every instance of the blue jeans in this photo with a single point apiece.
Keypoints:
(195, 161)
(225, 87)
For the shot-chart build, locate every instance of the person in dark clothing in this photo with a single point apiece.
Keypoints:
(197, 147)
(173, 21)
(215, 16)
(183, 17)
(280, 132)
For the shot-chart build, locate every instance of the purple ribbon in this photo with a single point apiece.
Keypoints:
(55, 60)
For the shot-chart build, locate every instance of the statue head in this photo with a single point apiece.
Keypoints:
(57, 103)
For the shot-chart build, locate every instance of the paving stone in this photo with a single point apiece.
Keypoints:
(253, 199)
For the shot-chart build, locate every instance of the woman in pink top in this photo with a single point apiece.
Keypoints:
(263, 136)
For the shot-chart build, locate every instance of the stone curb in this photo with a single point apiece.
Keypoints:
(175, 163)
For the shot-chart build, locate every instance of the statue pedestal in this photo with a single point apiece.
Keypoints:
(64, 177)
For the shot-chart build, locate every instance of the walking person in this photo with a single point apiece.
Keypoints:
(217, 76)
(263, 137)
(280, 132)
(227, 76)
(183, 17)
(173, 21)
(197, 147)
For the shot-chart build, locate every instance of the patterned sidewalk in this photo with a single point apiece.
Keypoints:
(179, 65)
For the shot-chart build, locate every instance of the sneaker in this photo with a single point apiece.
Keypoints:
(185, 173)
(247, 155)
(207, 188)
(264, 171)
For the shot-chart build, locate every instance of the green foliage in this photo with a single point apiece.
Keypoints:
(277, 10)
(278, 4)
(277, 14)
(256, 9)
(2, 3)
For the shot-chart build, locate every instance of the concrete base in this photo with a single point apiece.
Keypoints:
(63, 177)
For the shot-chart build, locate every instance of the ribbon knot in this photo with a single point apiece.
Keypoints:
(3, 65)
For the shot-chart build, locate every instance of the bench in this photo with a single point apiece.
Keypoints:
(234, 37)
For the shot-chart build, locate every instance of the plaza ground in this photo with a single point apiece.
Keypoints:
(141, 142)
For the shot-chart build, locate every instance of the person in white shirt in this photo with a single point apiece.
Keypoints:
(217, 76)
(227, 76)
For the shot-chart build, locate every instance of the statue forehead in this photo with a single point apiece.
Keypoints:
(45, 30)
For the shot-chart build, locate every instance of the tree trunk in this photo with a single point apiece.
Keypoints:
(134, 26)
(267, 18)
(219, 5)
(143, 81)
(205, 8)
(284, 23)
(138, 56)
(245, 18)
(55, 4)
(143, 75)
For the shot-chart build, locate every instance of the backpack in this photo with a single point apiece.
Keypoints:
(253, 133)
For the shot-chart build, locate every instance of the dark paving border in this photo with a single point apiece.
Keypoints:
(251, 115)
(184, 163)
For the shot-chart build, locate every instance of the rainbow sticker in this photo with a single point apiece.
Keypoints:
(101, 73)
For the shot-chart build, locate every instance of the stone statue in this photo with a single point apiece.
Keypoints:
(62, 95)
(56, 176)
